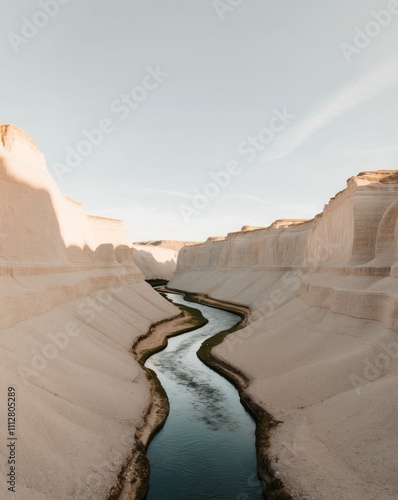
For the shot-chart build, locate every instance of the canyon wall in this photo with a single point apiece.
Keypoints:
(155, 263)
(72, 302)
(158, 259)
(320, 350)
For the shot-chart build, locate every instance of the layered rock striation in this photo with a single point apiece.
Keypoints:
(321, 347)
(72, 303)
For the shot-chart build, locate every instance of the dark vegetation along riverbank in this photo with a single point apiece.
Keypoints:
(272, 486)
(133, 480)
(157, 282)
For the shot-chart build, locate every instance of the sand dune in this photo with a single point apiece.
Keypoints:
(321, 347)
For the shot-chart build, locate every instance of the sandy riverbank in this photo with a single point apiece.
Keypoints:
(272, 486)
(133, 480)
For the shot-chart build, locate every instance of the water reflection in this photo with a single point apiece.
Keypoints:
(206, 449)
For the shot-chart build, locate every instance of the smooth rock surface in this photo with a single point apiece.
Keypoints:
(155, 263)
(158, 259)
(72, 302)
(321, 347)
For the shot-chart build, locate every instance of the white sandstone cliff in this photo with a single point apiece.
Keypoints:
(72, 302)
(155, 263)
(158, 259)
(321, 348)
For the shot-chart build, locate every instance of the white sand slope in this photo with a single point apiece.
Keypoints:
(321, 349)
(72, 302)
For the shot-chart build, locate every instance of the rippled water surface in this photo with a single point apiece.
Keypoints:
(206, 449)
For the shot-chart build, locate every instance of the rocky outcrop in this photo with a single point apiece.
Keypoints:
(72, 303)
(321, 347)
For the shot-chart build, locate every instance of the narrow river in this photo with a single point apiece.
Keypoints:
(206, 450)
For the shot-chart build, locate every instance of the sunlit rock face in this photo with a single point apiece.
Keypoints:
(72, 302)
(155, 263)
(321, 347)
(158, 259)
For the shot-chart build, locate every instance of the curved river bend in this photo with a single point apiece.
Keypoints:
(206, 450)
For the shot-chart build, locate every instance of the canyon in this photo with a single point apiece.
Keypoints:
(319, 350)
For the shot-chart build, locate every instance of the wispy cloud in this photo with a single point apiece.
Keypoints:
(382, 78)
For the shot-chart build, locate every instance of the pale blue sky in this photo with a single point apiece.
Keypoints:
(225, 80)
